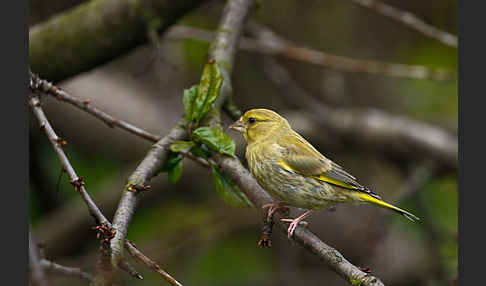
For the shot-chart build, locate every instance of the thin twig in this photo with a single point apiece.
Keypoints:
(66, 165)
(36, 272)
(150, 263)
(50, 89)
(71, 271)
(410, 20)
(290, 50)
(273, 45)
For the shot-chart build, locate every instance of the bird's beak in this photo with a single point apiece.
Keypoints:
(238, 126)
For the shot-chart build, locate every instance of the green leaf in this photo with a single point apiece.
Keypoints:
(215, 139)
(181, 146)
(173, 166)
(207, 91)
(175, 173)
(228, 191)
(188, 100)
(173, 159)
(201, 151)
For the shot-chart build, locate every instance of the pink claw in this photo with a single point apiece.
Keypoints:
(273, 207)
(295, 222)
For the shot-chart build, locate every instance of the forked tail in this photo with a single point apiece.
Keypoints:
(386, 205)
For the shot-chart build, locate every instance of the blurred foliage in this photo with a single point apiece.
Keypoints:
(440, 198)
(435, 102)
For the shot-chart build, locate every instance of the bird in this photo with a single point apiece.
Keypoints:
(294, 173)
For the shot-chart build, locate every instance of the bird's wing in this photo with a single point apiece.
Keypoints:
(300, 157)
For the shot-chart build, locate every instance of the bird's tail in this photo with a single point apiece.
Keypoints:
(386, 205)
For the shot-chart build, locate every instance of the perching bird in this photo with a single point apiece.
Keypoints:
(294, 172)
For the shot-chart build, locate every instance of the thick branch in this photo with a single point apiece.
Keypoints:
(371, 126)
(148, 168)
(410, 20)
(96, 32)
(235, 170)
(273, 45)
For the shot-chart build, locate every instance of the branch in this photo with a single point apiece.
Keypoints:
(371, 126)
(50, 89)
(71, 271)
(150, 263)
(290, 50)
(273, 45)
(139, 179)
(410, 20)
(36, 271)
(56, 143)
(98, 31)
(304, 237)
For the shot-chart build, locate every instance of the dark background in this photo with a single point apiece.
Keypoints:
(185, 226)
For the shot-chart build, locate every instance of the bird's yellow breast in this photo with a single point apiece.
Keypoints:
(287, 186)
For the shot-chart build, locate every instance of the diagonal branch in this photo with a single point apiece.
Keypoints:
(304, 237)
(56, 143)
(149, 263)
(36, 272)
(71, 271)
(50, 89)
(410, 20)
(273, 45)
(148, 168)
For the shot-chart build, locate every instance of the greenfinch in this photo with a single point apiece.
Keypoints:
(293, 172)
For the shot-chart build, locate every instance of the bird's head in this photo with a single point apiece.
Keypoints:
(258, 124)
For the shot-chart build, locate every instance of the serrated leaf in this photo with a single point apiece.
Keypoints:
(188, 100)
(207, 91)
(181, 146)
(215, 139)
(228, 191)
(175, 173)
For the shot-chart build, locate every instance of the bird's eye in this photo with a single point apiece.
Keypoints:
(251, 120)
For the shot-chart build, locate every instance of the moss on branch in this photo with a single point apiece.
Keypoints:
(96, 32)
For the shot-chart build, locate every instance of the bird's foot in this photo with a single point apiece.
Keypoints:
(273, 207)
(295, 222)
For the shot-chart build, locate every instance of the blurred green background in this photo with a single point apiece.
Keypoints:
(187, 227)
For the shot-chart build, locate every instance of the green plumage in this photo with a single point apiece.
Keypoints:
(293, 171)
